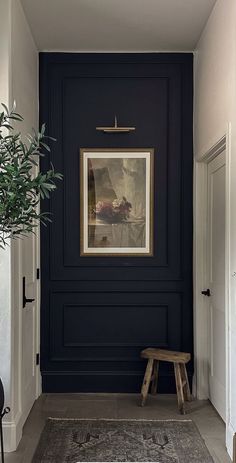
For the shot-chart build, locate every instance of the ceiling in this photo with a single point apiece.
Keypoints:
(117, 25)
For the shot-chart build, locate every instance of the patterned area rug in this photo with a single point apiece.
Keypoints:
(72, 441)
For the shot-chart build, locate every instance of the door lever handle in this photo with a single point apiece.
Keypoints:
(206, 292)
(25, 299)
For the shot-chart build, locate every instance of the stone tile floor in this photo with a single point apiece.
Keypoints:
(119, 406)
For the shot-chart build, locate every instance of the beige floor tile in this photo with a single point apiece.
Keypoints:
(217, 449)
(122, 406)
(92, 409)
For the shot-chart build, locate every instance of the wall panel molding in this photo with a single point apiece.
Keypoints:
(99, 312)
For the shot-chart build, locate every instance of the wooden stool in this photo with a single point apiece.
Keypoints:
(179, 359)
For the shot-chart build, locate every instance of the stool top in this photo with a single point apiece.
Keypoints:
(166, 355)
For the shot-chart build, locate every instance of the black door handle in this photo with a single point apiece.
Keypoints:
(206, 292)
(25, 299)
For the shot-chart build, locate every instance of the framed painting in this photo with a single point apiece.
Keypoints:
(116, 201)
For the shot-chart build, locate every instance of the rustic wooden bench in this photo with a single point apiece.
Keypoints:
(179, 359)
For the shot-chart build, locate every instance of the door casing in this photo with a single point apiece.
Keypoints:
(200, 280)
(216, 281)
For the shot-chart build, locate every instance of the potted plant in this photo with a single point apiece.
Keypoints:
(20, 188)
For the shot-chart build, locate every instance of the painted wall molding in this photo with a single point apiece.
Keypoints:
(214, 150)
(213, 144)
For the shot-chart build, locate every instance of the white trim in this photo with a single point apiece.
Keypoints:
(229, 429)
(200, 273)
(229, 439)
(214, 150)
(199, 261)
(212, 144)
(38, 306)
(12, 432)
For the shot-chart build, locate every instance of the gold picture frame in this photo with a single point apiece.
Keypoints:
(116, 201)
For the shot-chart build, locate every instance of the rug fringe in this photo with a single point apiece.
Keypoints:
(115, 419)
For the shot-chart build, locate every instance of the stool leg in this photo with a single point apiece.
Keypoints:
(179, 388)
(146, 381)
(186, 388)
(155, 377)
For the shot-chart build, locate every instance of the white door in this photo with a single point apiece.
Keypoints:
(216, 276)
(30, 341)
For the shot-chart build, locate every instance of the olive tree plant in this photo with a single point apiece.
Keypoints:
(20, 188)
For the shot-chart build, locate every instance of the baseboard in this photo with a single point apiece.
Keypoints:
(12, 433)
(70, 382)
(231, 442)
(234, 448)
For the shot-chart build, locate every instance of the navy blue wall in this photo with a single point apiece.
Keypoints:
(99, 312)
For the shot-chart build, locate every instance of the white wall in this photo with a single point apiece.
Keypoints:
(24, 67)
(215, 70)
(5, 256)
(19, 82)
(214, 112)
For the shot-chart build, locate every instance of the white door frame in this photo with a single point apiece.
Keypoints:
(201, 346)
(38, 315)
